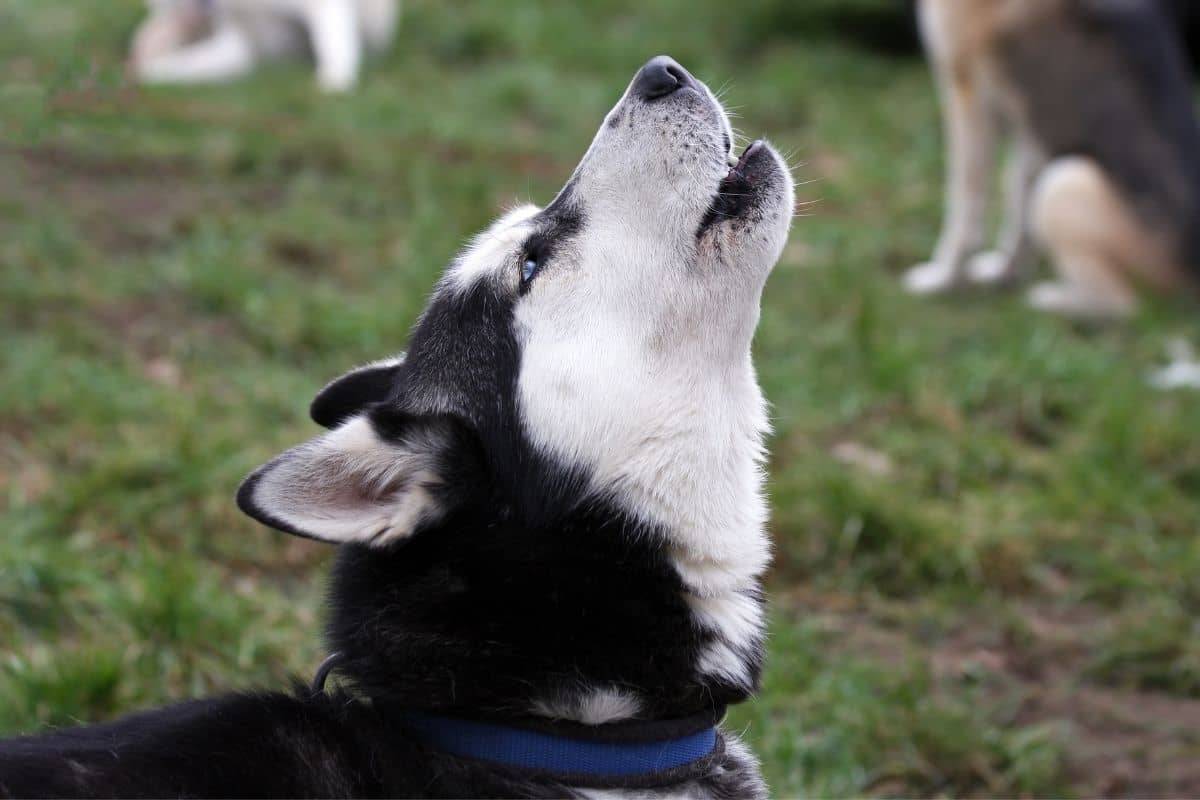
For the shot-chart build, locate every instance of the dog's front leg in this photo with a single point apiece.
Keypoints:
(1014, 253)
(333, 29)
(970, 139)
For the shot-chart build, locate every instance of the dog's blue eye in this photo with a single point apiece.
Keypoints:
(529, 269)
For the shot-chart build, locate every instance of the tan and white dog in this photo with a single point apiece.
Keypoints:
(1105, 170)
(204, 41)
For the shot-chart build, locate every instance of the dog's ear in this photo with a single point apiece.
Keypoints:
(373, 479)
(350, 394)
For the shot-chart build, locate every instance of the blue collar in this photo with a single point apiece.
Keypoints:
(631, 750)
(562, 754)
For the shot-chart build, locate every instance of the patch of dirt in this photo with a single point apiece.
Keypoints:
(1119, 742)
(122, 205)
(1123, 743)
(875, 463)
(826, 165)
(26, 480)
(294, 559)
(299, 254)
(156, 327)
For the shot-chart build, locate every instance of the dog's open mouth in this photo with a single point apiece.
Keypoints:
(736, 191)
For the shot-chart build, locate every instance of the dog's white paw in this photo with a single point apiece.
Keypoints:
(1182, 373)
(1069, 300)
(931, 277)
(1176, 376)
(1056, 298)
(991, 268)
(336, 82)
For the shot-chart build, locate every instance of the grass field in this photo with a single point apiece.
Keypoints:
(988, 570)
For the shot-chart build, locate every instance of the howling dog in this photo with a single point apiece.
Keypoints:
(204, 41)
(549, 512)
(1105, 170)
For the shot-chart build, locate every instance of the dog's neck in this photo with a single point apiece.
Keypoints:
(589, 622)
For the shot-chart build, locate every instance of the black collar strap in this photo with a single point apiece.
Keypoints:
(331, 662)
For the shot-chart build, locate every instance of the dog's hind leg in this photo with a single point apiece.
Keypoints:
(1015, 252)
(333, 29)
(224, 56)
(1095, 242)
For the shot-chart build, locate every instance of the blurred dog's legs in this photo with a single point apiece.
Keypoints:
(1015, 251)
(970, 131)
(333, 29)
(1099, 248)
(225, 55)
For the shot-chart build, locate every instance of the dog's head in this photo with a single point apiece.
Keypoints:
(593, 351)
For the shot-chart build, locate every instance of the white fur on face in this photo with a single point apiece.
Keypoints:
(635, 349)
(636, 343)
(635, 346)
(489, 252)
(636, 354)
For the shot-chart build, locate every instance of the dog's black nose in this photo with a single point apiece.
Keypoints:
(659, 77)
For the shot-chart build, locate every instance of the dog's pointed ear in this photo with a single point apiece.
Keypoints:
(365, 481)
(348, 395)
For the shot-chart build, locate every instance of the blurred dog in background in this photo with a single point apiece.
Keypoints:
(1105, 171)
(202, 41)
(889, 26)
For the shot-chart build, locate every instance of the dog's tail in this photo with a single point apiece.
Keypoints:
(378, 20)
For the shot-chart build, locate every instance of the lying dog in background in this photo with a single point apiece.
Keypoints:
(550, 511)
(1105, 172)
(202, 41)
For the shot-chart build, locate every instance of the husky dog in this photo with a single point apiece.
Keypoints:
(549, 512)
(1105, 172)
(200, 41)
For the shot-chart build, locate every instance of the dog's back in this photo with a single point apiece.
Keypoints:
(1106, 79)
(259, 745)
(267, 745)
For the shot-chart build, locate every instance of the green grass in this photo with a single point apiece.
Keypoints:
(995, 593)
